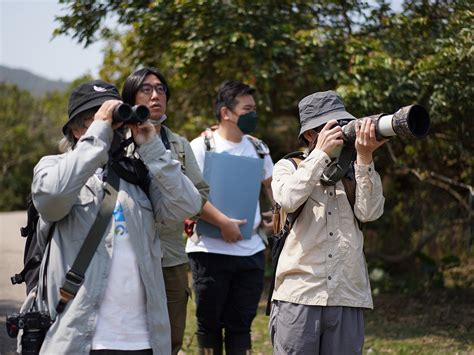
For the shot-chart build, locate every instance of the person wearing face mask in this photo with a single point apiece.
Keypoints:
(228, 272)
(322, 283)
(148, 86)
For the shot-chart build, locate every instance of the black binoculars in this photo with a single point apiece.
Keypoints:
(128, 114)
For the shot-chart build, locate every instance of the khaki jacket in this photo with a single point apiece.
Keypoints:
(171, 234)
(322, 262)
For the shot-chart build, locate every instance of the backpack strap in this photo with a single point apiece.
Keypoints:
(33, 262)
(164, 137)
(350, 184)
(209, 141)
(260, 147)
(177, 144)
(75, 276)
(281, 232)
(32, 256)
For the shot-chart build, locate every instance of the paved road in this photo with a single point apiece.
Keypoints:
(11, 262)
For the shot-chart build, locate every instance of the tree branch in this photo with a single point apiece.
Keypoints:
(396, 259)
(434, 179)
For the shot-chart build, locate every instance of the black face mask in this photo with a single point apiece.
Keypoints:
(247, 123)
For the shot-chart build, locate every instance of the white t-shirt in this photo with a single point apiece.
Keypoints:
(122, 321)
(244, 247)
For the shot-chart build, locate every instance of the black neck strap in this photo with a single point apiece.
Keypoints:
(75, 276)
(339, 167)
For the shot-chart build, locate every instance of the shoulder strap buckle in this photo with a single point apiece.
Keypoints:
(209, 141)
(260, 147)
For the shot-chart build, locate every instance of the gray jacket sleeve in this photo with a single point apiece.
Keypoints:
(193, 172)
(58, 179)
(173, 195)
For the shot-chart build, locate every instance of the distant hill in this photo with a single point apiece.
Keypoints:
(25, 80)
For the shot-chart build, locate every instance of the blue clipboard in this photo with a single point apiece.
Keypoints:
(234, 184)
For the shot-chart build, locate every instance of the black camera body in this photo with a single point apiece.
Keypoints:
(34, 325)
(128, 114)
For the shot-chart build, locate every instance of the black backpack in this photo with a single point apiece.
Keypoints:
(33, 254)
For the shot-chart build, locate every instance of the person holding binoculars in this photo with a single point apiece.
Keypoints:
(322, 283)
(113, 298)
(148, 87)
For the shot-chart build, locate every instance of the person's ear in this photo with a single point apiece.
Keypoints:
(310, 135)
(77, 132)
(225, 113)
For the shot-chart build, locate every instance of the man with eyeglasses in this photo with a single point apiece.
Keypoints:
(149, 87)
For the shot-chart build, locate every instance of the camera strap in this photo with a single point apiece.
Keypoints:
(339, 167)
(75, 276)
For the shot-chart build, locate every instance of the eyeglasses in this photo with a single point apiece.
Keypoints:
(147, 89)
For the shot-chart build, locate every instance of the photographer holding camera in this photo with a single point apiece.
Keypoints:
(119, 303)
(322, 282)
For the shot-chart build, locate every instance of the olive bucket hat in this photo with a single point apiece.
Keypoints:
(319, 108)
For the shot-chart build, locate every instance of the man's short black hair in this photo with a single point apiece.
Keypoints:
(135, 80)
(228, 93)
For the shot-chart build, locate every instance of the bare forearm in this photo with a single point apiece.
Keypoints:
(212, 215)
(268, 190)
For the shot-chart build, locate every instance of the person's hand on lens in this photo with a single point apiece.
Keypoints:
(366, 141)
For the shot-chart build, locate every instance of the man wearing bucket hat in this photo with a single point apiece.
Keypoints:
(120, 304)
(322, 282)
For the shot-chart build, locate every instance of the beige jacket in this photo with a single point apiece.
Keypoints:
(322, 262)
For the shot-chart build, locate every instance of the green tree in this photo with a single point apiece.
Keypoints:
(29, 127)
(286, 49)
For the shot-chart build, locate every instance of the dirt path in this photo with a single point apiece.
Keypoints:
(11, 262)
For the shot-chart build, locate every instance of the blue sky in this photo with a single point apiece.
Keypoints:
(26, 28)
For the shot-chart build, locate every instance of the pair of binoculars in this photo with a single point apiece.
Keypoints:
(130, 114)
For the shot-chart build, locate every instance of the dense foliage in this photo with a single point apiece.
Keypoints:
(377, 59)
(27, 126)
